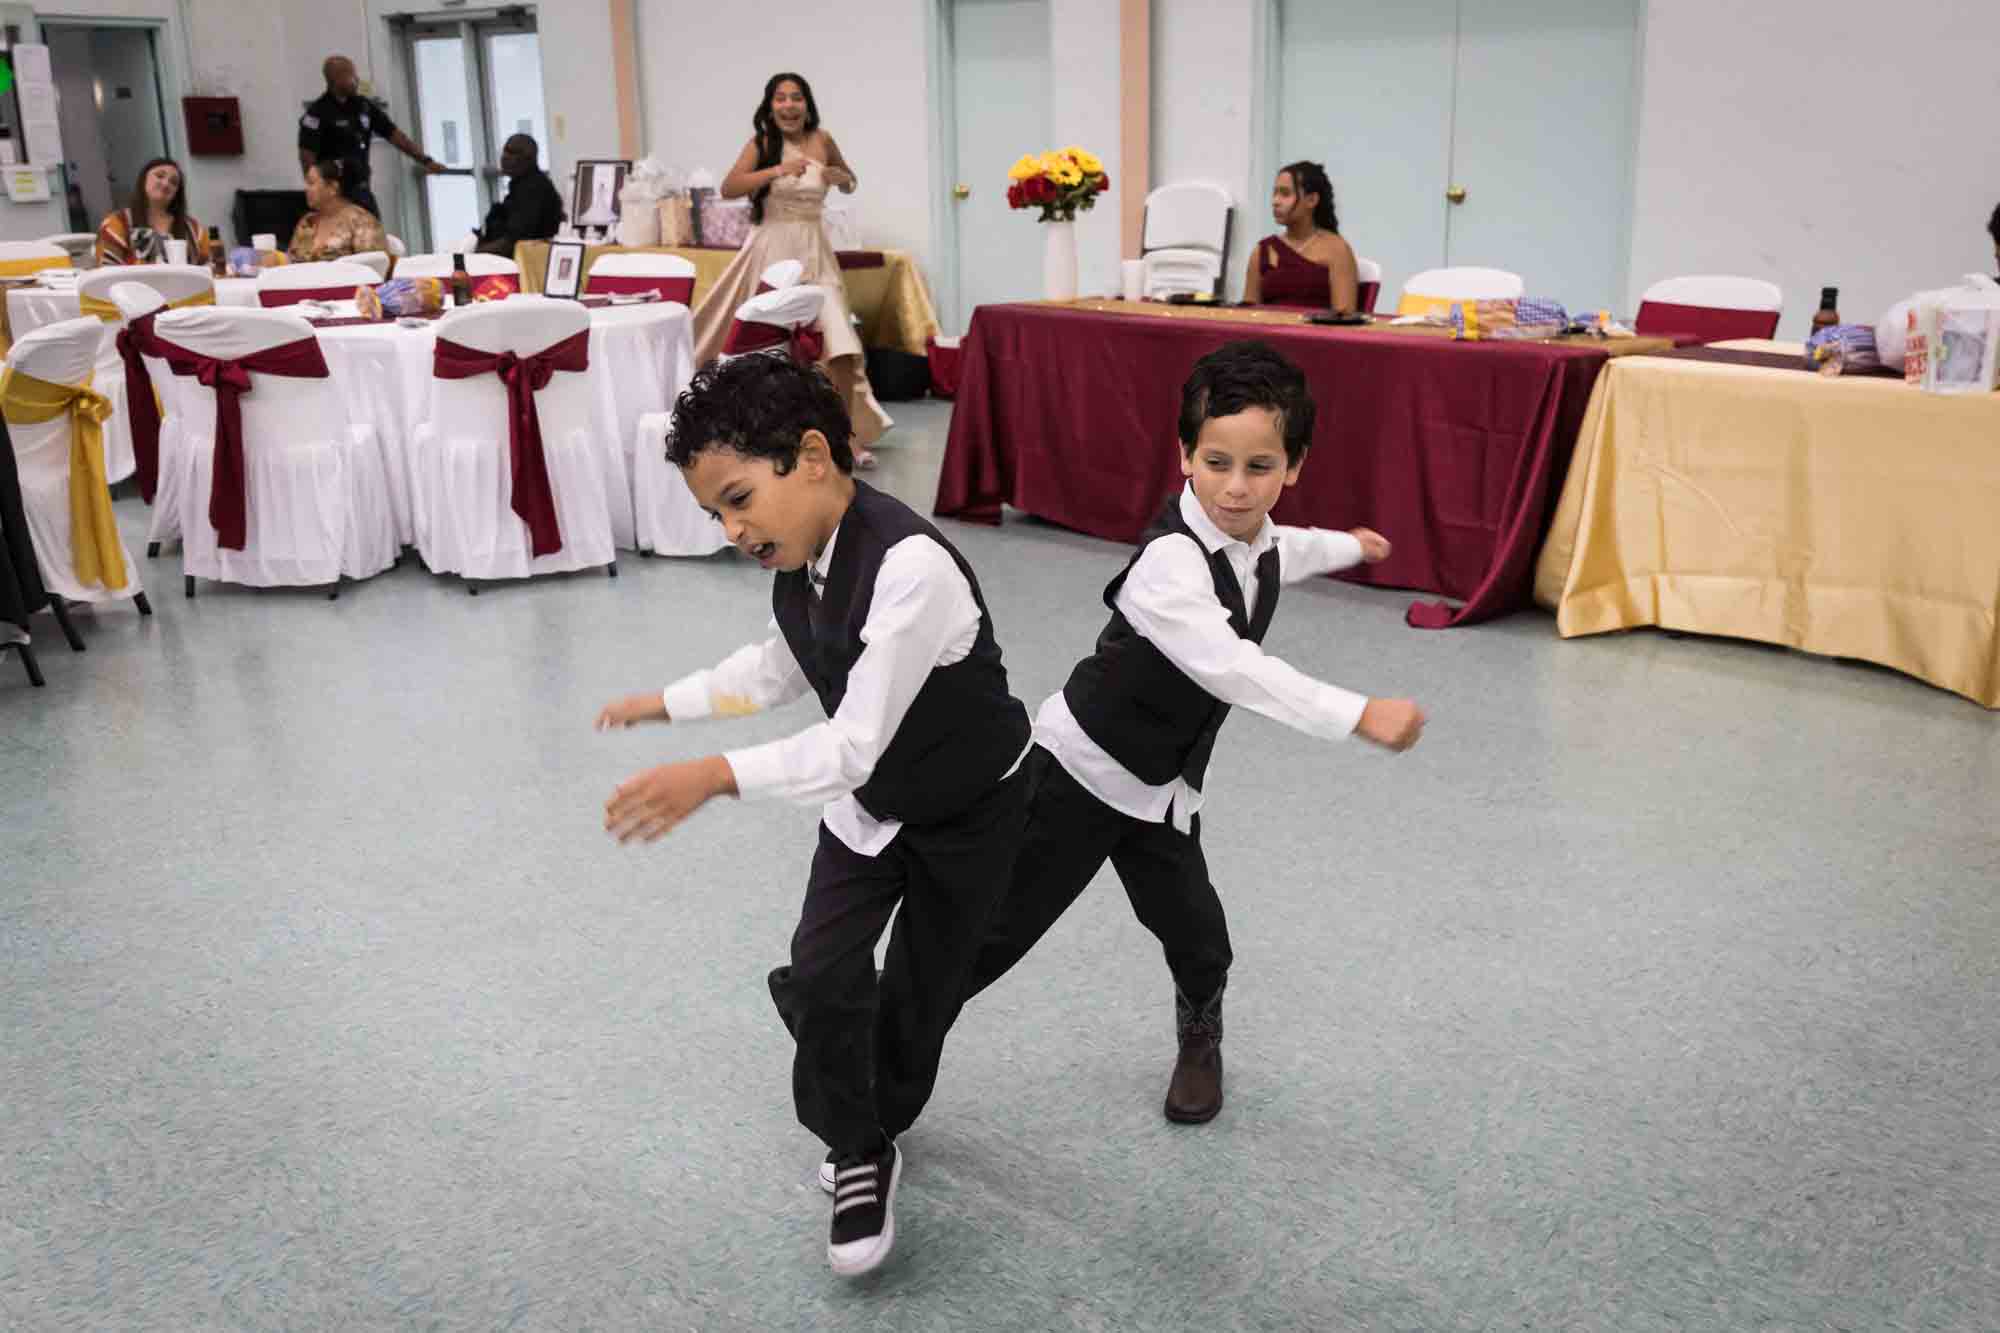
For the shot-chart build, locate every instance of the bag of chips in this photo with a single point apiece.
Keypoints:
(1841, 348)
(1528, 317)
(399, 297)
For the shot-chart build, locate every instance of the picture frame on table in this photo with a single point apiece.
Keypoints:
(565, 278)
(594, 195)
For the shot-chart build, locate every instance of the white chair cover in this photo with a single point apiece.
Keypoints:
(174, 282)
(315, 490)
(64, 353)
(463, 489)
(785, 273)
(439, 266)
(377, 260)
(331, 273)
(1169, 271)
(134, 299)
(80, 246)
(788, 307)
(1190, 216)
(34, 250)
(1718, 292)
(396, 246)
(1366, 270)
(1466, 284)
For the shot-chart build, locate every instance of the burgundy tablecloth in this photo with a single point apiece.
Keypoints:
(1455, 451)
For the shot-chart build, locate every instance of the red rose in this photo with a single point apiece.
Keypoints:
(1045, 190)
(1015, 197)
(1103, 181)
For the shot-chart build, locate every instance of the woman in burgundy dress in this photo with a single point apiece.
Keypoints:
(1307, 264)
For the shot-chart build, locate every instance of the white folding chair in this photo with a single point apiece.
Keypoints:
(1712, 307)
(80, 246)
(463, 486)
(623, 272)
(1367, 284)
(18, 259)
(324, 280)
(316, 496)
(377, 260)
(1185, 238)
(439, 266)
(766, 324)
(65, 354)
(175, 283)
(785, 273)
(135, 300)
(1434, 289)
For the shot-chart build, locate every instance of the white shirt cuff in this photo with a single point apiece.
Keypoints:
(759, 770)
(687, 699)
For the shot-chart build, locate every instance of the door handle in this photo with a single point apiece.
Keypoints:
(961, 192)
(1456, 194)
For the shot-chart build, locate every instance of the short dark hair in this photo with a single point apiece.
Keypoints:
(1993, 224)
(760, 406)
(1245, 374)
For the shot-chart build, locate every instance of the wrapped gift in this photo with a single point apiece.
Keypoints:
(1528, 317)
(725, 223)
(399, 297)
(676, 219)
(1841, 348)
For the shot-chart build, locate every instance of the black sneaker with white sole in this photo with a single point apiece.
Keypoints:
(864, 1210)
(826, 1170)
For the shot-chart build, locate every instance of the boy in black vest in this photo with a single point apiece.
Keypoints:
(917, 767)
(1121, 752)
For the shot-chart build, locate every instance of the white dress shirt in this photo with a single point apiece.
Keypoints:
(922, 616)
(1169, 599)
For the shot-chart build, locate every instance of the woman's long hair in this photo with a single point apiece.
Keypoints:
(770, 139)
(141, 208)
(1310, 178)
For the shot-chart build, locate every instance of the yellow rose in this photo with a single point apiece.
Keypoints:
(1026, 169)
(1066, 174)
(1086, 160)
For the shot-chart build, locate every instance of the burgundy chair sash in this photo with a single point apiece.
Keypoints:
(1708, 324)
(533, 498)
(745, 335)
(231, 380)
(1365, 296)
(627, 284)
(136, 341)
(272, 297)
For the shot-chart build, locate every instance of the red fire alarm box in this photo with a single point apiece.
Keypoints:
(214, 126)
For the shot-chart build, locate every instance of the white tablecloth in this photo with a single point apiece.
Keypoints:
(640, 358)
(30, 307)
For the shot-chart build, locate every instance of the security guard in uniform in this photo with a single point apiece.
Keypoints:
(340, 122)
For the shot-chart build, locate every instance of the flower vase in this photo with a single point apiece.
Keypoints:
(1059, 261)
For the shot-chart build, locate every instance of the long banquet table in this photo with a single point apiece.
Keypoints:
(1455, 451)
(1722, 491)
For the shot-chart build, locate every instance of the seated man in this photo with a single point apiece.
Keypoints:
(532, 210)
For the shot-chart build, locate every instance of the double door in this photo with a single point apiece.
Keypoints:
(1496, 133)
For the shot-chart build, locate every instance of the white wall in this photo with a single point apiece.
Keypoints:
(702, 69)
(1084, 35)
(1206, 109)
(1839, 144)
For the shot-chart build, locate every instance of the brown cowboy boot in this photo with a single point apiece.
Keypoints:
(1195, 1094)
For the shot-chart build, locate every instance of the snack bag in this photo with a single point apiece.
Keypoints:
(1843, 347)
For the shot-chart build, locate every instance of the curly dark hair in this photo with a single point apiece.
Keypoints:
(760, 406)
(770, 139)
(1245, 374)
(1311, 178)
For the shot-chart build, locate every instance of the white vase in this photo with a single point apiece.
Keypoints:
(1059, 261)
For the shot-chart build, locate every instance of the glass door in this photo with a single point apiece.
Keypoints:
(477, 83)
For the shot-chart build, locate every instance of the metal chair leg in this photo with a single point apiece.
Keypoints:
(152, 550)
(187, 585)
(611, 570)
(34, 668)
(139, 600)
(61, 614)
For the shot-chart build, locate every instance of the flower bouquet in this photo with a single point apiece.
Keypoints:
(1061, 183)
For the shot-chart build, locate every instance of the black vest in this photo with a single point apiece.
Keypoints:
(963, 732)
(1138, 707)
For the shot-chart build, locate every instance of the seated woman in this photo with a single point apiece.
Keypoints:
(138, 233)
(1308, 264)
(336, 226)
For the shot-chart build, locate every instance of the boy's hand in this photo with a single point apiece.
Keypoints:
(633, 708)
(1374, 546)
(1394, 724)
(650, 805)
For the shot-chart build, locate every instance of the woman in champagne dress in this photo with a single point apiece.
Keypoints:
(786, 169)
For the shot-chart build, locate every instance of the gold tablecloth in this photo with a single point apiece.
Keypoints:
(1853, 517)
(891, 300)
(1291, 316)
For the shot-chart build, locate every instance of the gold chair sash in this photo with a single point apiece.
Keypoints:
(95, 551)
(111, 314)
